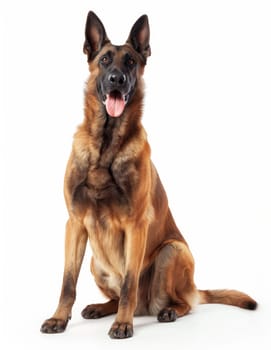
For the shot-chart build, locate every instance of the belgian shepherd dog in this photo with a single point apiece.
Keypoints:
(115, 199)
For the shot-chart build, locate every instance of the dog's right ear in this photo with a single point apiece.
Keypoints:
(95, 34)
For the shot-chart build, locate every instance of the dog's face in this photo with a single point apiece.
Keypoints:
(116, 68)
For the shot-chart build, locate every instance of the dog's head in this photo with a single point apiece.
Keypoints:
(116, 69)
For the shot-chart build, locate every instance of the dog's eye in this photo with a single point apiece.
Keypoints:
(130, 61)
(104, 60)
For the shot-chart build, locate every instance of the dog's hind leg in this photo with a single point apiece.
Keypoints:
(100, 310)
(106, 285)
(171, 312)
(173, 292)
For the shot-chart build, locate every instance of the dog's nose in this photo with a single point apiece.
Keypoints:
(117, 78)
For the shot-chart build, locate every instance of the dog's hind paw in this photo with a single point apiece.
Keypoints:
(92, 312)
(100, 310)
(167, 315)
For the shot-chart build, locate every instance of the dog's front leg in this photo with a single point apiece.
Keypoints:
(75, 244)
(135, 243)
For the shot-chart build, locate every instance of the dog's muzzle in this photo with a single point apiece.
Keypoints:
(115, 94)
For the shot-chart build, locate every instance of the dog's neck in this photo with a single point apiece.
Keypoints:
(106, 136)
(106, 129)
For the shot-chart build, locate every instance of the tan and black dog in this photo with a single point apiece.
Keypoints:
(115, 198)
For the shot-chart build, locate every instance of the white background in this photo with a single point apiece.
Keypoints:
(207, 114)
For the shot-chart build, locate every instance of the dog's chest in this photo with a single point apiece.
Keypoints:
(112, 184)
(107, 166)
(104, 184)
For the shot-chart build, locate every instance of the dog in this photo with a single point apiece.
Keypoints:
(115, 199)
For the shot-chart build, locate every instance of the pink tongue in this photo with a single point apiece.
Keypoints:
(114, 105)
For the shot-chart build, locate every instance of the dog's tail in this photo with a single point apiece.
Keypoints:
(228, 297)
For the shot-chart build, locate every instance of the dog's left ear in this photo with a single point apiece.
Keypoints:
(96, 36)
(139, 37)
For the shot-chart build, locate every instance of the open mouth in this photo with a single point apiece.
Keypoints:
(115, 103)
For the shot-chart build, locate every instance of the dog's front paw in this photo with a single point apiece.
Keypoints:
(121, 330)
(54, 325)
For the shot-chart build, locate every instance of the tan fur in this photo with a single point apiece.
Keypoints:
(116, 200)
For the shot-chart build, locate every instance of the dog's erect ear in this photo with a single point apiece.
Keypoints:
(96, 36)
(139, 36)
